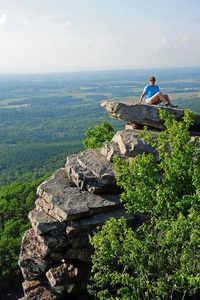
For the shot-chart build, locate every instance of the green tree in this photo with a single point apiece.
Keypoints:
(16, 200)
(160, 259)
(96, 136)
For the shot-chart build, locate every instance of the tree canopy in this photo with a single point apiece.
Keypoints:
(96, 136)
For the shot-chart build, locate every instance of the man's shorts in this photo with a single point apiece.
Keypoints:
(147, 100)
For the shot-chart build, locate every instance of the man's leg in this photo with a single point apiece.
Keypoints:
(168, 99)
(158, 98)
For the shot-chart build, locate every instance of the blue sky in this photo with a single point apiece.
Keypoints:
(67, 35)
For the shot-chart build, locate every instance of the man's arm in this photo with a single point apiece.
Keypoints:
(141, 97)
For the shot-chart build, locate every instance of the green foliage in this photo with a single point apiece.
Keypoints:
(16, 200)
(169, 182)
(10, 240)
(161, 259)
(98, 135)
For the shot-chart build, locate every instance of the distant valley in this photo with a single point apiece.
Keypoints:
(43, 117)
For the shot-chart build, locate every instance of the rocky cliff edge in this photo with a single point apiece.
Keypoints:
(55, 256)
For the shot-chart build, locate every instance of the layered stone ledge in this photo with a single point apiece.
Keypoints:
(144, 114)
(55, 257)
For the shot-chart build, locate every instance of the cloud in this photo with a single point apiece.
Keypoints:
(87, 44)
(12, 24)
(49, 18)
(3, 19)
(67, 24)
(24, 23)
(160, 46)
(181, 41)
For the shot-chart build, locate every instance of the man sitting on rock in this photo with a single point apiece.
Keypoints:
(153, 94)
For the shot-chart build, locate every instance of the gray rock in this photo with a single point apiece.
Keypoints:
(68, 278)
(35, 290)
(82, 177)
(132, 126)
(130, 144)
(44, 206)
(96, 162)
(59, 178)
(78, 231)
(65, 273)
(37, 252)
(69, 203)
(89, 224)
(30, 259)
(91, 171)
(144, 114)
(67, 211)
(110, 149)
(50, 234)
(43, 223)
(52, 243)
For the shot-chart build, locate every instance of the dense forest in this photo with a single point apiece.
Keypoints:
(43, 118)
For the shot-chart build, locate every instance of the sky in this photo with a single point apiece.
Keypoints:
(72, 35)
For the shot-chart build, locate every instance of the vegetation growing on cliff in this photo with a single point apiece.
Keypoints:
(96, 136)
(161, 259)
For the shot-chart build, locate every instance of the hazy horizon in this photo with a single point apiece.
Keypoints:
(72, 36)
(102, 70)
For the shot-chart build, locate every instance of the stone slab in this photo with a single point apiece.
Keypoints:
(44, 224)
(130, 143)
(69, 203)
(91, 171)
(82, 177)
(94, 161)
(90, 223)
(144, 114)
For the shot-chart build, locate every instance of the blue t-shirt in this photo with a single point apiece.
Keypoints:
(151, 90)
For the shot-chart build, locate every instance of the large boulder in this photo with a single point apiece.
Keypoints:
(131, 144)
(91, 171)
(144, 114)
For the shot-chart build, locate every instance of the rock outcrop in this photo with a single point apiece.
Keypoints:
(55, 257)
(144, 114)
